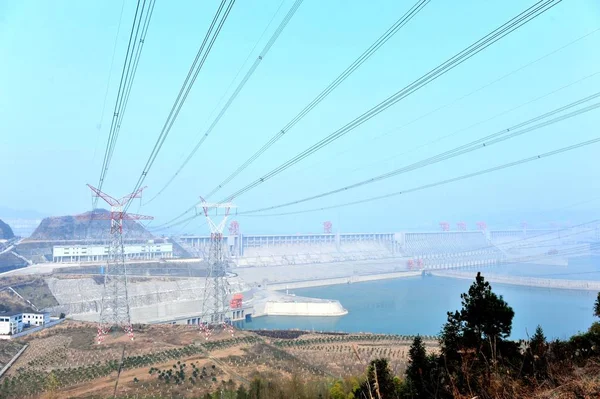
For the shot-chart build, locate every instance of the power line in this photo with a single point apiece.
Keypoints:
(518, 241)
(121, 93)
(208, 42)
(456, 60)
(446, 181)
(438, 139)
(493, 82)
(403, 20)
(134, 70)
(234, 95)
(481, 143)
(244, 63)
(434, 141)
(481, 44)
(552, 231)
(110, 71)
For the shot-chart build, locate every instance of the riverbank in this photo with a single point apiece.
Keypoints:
(340, 280)
(562, 284)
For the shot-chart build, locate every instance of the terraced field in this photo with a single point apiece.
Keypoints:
(178, 360)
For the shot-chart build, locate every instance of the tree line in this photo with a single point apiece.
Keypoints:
(475, 360)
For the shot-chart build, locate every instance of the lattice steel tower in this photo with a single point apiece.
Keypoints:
(216, 288)
(114, 308)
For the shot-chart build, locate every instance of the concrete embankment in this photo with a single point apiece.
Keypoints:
(339, 280)
(14, 359)
(525, 281)
(270, 303)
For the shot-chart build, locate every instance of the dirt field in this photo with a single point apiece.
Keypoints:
(348, 354)
(8, 349)
(178, 361)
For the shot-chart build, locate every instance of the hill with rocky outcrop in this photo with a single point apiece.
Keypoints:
(88, 226)
(6, 232)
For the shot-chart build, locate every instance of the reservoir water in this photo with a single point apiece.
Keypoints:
(418, 305)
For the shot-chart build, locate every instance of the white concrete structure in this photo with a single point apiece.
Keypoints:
(303, 307)
(36, 319)
(11, 323)
(94, 253)
(269, 303)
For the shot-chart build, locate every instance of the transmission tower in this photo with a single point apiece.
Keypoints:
(216, 289)
(114, 308)
(234, 228)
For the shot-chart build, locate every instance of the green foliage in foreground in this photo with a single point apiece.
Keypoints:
(476, 360)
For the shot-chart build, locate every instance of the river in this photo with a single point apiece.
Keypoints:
(418, 305)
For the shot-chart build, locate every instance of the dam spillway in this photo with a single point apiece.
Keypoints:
(429, 249)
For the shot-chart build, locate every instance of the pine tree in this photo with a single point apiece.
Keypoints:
(538, 342)
(535, 363)
(597, 306)
(418, 370)
(485, 314)
(450, 337)
(473, 340)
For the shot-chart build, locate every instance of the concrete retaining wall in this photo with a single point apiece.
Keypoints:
(527, 281)
(340, 280)
(14, 359)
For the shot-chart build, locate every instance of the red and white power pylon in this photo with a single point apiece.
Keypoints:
(482, 226)
(234, 228)
(327, 226)
(445, 226)
(216, 287)
(461, 226)
(114, 308)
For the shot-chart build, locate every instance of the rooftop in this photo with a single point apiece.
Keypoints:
(4, 314)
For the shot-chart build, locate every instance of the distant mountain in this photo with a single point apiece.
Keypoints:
(9, 213)
(6, 232)
(73, 228)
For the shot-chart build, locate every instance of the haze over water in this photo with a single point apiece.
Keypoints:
(418, 305)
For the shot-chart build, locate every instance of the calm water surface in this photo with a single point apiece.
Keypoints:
(418, 305)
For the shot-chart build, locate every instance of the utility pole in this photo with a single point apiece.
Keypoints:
(216, 287)
(114, 308)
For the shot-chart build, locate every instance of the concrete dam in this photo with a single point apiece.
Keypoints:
(261, 266)
(422, 250)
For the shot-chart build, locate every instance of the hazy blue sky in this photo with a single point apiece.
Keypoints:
(54, 66)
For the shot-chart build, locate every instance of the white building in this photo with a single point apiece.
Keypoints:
(35, 319)
(95, 253)
(11, 323)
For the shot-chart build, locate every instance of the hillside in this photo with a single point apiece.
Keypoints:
(71, 228)
(177, 361)
(6, 232)
(10, 261)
